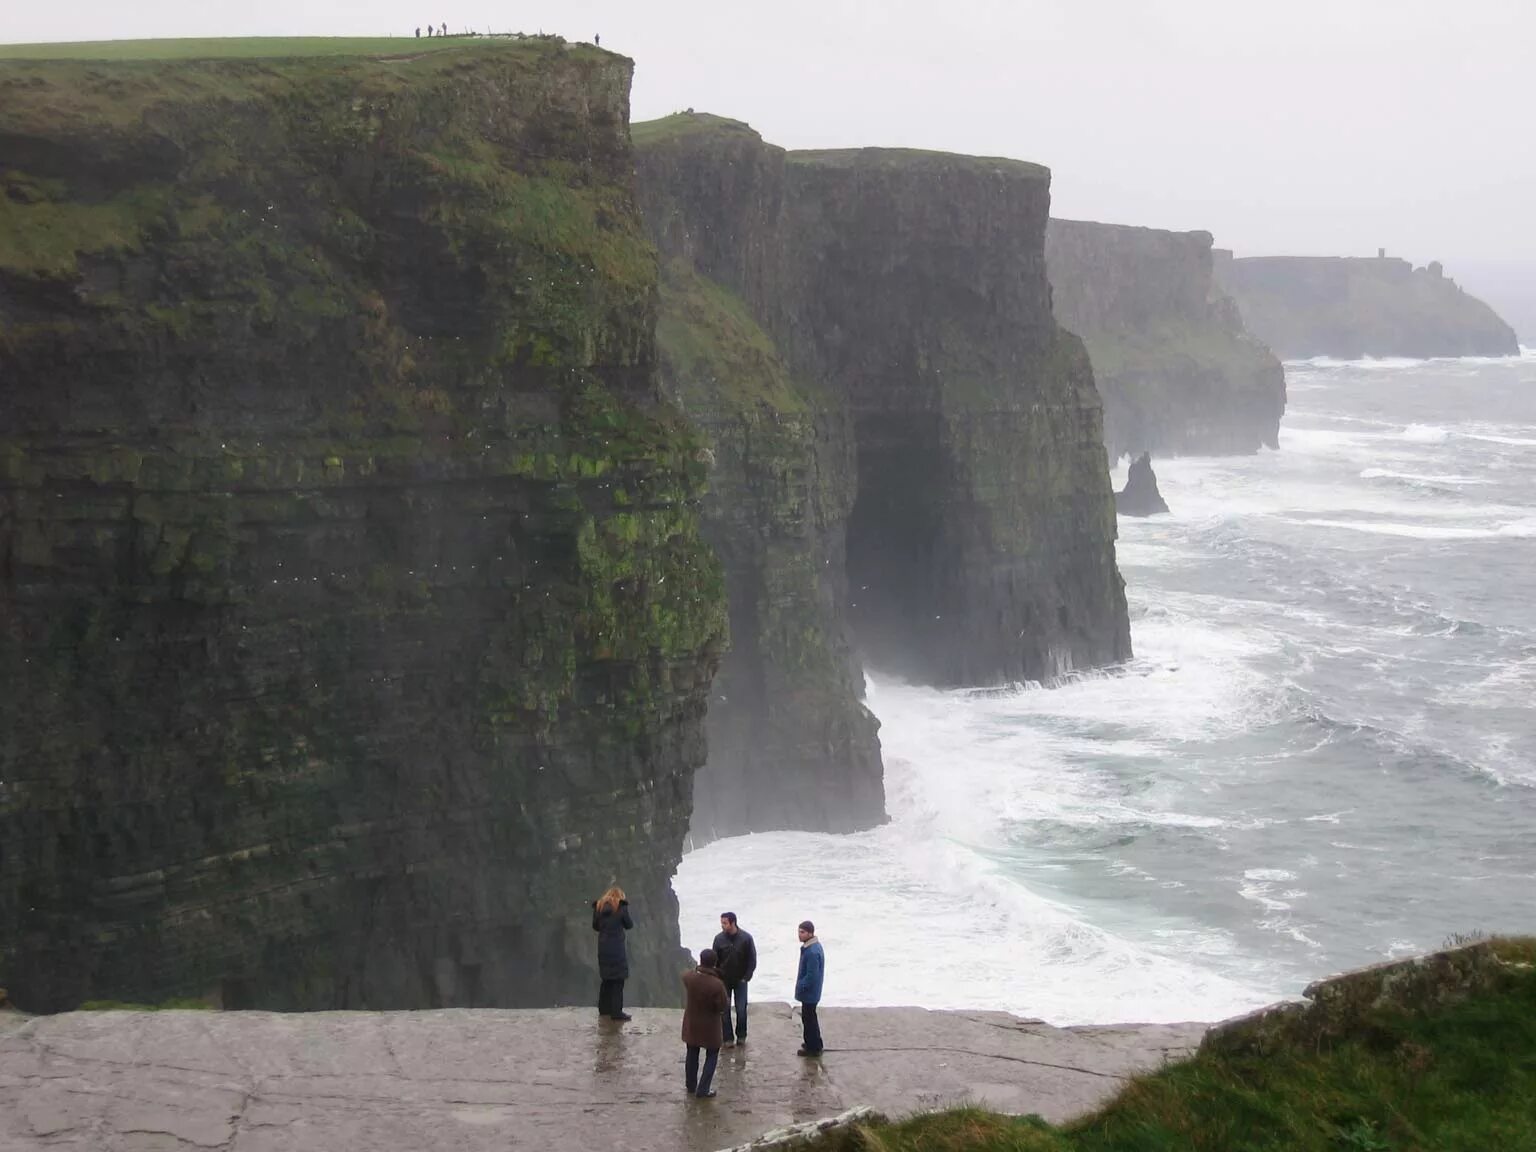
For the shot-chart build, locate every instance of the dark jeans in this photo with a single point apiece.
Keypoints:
(812, 1027)
(610, 998)
(739, 991)
(699, 1085)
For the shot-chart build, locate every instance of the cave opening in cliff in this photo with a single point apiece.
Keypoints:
(896, 549)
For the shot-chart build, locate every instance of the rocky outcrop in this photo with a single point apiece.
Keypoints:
(550, 1079)
(1140, 496)
(1178, 372)
(355, 624)
(867, 336)
(1336, 306)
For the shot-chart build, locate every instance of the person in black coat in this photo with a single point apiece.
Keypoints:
(610, 920)
(736, 957)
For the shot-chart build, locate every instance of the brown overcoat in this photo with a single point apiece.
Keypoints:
(704, 1007)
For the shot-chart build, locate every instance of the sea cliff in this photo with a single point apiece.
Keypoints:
(880, 371)
(1178, 371)
(355, 623)
(1335, 306)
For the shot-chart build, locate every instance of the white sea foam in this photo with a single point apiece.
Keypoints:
(1418, 477)
(1425, 434)
(1314, 704)
(1425, 531)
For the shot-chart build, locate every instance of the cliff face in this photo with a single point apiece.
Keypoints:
(981, 545)
(355, 625)
(1177, 370)
(902, 303)
(791, 743)
(1334, 306)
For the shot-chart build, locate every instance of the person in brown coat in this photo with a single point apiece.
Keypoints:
(704, 1007)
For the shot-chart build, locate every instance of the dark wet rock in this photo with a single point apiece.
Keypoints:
(1140, 496)
(1179, 373)
(907, 446)
(1352, 307)
(489, 1079)
(355, 625)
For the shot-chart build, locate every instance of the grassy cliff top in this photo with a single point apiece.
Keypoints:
(49, 89)
(894, 159)
(681, 124)
(277, 48)
(1453, 1075)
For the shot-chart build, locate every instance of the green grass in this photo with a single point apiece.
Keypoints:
(252, 48)
(883, 159)
(718, 358)
(683, 124)
(1454, 1079)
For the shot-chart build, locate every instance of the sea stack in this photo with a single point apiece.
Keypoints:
(1140, 496)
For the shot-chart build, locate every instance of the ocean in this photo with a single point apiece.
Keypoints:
(1322, 756)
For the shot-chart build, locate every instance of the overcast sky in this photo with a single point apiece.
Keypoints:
(1283, 126)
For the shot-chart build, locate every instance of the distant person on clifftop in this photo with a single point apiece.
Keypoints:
(813, 966)
(736, 957)
(704, 1007)
(610, 920)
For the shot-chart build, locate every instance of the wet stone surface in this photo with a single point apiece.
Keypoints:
(558, 1080)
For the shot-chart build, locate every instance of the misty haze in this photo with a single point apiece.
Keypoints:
(975, 525)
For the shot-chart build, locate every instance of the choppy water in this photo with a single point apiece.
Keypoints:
(1323, 755)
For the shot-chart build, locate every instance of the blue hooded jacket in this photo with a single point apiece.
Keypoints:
(813, 965)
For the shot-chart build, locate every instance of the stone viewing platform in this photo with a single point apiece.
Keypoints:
(558, 1080)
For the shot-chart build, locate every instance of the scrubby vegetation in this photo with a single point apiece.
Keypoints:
(1448, 1079)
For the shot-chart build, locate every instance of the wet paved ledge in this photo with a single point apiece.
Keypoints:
(555, 1080)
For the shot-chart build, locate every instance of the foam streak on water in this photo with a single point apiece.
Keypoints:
(1324, 753)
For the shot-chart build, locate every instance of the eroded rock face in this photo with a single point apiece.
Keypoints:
(868, 338)
(1179, 373)
(355, 626)
(1140, 496)
(792, 744)
(981, 544)
(1335, 306)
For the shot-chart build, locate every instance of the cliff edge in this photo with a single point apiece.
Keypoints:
(1337, 306)
(866, 336)
(1179, 373)
(355, 624)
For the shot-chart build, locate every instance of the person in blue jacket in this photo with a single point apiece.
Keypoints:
(813, 966)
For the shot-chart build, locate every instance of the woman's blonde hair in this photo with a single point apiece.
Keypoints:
(611, 900)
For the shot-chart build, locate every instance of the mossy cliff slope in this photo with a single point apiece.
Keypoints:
(1176, 368)
(355, 625)
(1336, 306)
(909, 290)
(791, 743)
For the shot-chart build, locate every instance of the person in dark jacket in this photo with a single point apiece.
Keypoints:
(813, 966)
(610, 920)
(736, 957)
(704, 1006)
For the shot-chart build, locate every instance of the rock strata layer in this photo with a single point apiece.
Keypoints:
(492, 1080)
(880, 371)
(1179, 373)
(355, 624)
(1335, 306)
